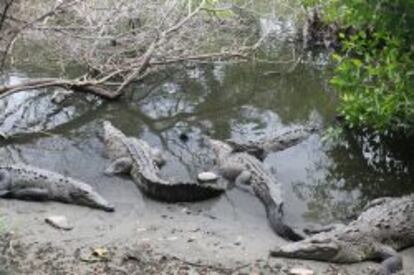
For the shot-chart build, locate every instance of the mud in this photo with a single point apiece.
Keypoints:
(221, 236)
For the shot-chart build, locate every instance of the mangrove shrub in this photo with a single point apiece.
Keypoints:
(375, 66)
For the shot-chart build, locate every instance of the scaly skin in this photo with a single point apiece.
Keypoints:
(134, 156)
(243, 168)
(261, 148)
(384, 228)
(21, 181)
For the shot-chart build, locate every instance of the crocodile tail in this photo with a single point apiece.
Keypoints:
(287, 232)
(274, 212)
(279, 227)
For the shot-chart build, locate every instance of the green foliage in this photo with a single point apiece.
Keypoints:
(375, 67)
(333, 135)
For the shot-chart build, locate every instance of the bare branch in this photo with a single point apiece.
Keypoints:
(121, 42)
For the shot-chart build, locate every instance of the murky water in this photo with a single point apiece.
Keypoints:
(322, 182)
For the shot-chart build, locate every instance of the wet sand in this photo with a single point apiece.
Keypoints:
(227, 235)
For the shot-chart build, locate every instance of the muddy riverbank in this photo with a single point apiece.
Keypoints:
(153, 238)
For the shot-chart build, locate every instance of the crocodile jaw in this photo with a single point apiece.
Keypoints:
(90, 198)
(326, 250)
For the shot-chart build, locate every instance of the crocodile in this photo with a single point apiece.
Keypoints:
(261, 148)
(135, 157)
(21, 181)
(242, 168)
(385, 227)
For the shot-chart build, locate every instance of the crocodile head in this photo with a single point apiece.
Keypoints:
(113, 137)
(110, 132)
(87, 196)
(325, 247)
(5, 182)
(220, 149)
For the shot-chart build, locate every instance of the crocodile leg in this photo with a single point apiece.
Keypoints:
(391, 260)
(243, 182)
(158, 157)
(119, 166)
(231, 172)
(243, 178)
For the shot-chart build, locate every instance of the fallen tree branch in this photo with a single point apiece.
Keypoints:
(114, 53)
(7, 5)
(82, 86)
(201, 57)
(96, 87)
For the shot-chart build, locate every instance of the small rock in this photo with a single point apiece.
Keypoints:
(59, 97)
(301, 271)
(90, 97)
(100, 252)
(60, 222)
(207, 176)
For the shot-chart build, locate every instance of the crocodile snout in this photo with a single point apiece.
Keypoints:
(94, 199)
(108, 207)
(315, 250)
(89, 197)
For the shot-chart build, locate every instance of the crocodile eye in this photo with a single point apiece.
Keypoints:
(320, 241)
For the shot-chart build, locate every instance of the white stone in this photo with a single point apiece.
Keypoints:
(301, 271)
(59, 96)
(60, 222)
(207, 176)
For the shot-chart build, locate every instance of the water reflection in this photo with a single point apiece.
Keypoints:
(35, 111)
(341, 179)
(321, 183)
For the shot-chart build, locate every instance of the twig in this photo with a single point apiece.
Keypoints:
(31, 23)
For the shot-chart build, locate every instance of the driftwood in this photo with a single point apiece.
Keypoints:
(98, 87)
(114, 56)
(81, 86)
